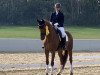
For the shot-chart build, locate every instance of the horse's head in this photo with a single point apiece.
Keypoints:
(42, 27)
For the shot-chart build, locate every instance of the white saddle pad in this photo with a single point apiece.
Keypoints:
(66, 37)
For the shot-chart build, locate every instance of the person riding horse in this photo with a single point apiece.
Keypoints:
(57, 20)
(51, 40)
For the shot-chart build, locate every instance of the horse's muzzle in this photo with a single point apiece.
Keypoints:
(43, 36)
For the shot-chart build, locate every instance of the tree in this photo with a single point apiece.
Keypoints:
(25, 12)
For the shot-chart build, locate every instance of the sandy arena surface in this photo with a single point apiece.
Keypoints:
(77, 71)
(39, 58)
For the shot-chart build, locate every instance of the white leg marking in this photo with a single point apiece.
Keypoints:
(47, 68)
(71, 68)
(52, 70)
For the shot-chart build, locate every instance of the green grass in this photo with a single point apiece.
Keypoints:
(19, 32)
(85, 32)
(33, 32)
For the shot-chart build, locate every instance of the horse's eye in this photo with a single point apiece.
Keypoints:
(41, 27)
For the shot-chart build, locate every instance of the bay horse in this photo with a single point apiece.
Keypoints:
(51, 42)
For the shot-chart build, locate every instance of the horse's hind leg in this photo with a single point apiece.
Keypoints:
(70, 59)
(47, 61)
(61, 62)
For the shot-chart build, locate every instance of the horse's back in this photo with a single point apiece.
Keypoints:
(69, 35)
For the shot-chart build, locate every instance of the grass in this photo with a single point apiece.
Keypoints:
(19, 32)
(33, 32)
(85, 32)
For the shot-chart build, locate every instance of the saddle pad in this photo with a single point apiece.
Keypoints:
(66, 37)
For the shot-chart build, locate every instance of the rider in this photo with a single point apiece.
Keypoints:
(57, 19)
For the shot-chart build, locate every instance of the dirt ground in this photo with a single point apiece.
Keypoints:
(77, 71)
(30, 58)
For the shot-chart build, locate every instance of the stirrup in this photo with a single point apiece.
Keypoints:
(42, 47)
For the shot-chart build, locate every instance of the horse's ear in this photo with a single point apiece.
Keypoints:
(38, 20)
(42, 19)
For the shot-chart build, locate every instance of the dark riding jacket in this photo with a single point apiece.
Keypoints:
(57, 18)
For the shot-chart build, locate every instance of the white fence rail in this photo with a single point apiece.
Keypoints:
(35, 45)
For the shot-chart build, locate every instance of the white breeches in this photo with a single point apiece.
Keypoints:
(62, 31)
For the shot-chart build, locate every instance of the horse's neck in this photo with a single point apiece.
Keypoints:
(52, 33)
(51, 29)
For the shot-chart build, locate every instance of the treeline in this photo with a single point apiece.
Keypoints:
(25, 12)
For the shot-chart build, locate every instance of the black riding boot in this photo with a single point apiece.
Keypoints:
(63, 41)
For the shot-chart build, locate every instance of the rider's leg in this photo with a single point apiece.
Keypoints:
(64, 43)
(62, 31)
(59, 32)
(63, 37)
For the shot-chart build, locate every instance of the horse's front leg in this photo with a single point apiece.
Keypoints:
(52, 62)
(47, 61)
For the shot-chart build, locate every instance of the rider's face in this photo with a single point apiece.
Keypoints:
(57, 9)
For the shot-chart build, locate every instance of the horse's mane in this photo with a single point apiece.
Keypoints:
(51, 28)
(48, 23)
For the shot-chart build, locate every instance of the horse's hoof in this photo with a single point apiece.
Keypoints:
(71, 73)
(47, 74)
(58, 74)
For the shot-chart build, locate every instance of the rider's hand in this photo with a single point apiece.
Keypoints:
(51, 23)
(56, 25)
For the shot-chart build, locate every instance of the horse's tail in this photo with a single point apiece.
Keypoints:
(69, 47)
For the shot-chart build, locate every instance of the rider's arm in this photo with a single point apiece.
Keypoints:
(51, 18)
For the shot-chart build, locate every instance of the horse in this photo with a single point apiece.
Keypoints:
(51, 42)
